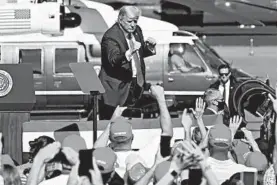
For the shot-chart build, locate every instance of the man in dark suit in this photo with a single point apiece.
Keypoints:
(123, 69)
(225, 85)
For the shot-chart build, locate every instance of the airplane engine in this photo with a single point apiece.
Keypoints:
(252, 95)
(46, 18)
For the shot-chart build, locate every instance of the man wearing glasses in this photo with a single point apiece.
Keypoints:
(214, 101)
(225, 84)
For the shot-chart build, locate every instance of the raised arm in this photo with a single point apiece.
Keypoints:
(198, 115)
(165, 118)
(103, 139)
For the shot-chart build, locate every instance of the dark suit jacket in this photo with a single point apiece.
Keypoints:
(116, 71)
(233, 84)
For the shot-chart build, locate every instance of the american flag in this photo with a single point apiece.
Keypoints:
(15, 19)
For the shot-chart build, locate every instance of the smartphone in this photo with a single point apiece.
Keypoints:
(86, 162)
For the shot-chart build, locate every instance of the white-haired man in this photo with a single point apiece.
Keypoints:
(122, 74)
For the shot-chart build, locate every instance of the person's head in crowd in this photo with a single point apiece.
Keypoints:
(214, 99)
(160, 170)
(128, 18)
(177, 49)
(121, 135)
(224, 71)
(220, 141)
(10, 175)
(196, 135)
(259, 161)
(106, 161)
(37, 144)
(75, 142)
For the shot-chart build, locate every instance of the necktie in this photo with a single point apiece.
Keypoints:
(140, 79)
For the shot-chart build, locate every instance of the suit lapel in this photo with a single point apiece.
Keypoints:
(122, 36)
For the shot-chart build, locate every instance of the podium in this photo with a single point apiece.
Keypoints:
(17, 97)
(89, 83)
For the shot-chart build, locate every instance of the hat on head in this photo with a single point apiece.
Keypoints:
(75, 142)
(256, 160)
(120, 130)
(220, 136)
(161, 169)
(105, 159)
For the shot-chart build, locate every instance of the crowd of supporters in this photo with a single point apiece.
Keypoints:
(211, 156)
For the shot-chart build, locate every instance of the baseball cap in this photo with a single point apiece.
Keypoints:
(161, 169)
(75, 142)
(220, 136)
(256, 160)
(120, 130)
(105, 159)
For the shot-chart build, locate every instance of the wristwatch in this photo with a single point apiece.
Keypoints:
(174, 173)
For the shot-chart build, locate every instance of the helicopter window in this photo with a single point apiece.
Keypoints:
(183, 58)
(33, 57)
(63, 57)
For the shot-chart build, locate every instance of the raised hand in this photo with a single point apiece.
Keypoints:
(182, 160)
(194, 150)
(49, 152)
(200, 106)
(186, 119)
(235, 123)
(118, 112)
(95, 174)
(157, 91)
